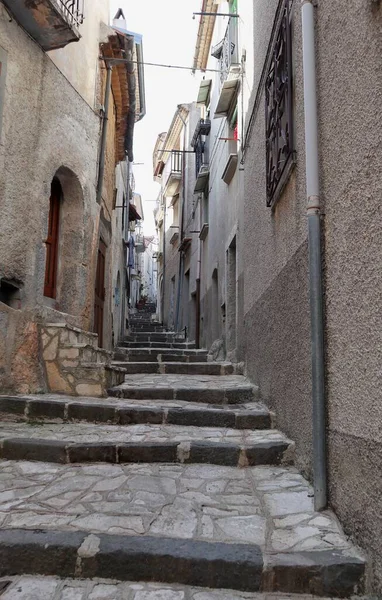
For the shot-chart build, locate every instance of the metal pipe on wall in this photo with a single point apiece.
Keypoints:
(164, 258)
(315, 262)
(184, 198)
(101, 163)
(198, 277)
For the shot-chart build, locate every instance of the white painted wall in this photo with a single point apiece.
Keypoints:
(79, 61)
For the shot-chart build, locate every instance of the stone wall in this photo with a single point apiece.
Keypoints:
(47, 130)
(73, 362)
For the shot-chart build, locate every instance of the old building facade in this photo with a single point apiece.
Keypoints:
(251, 276)
(56, 201)
(276, 257)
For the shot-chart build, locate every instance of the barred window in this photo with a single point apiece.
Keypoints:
(279, 108)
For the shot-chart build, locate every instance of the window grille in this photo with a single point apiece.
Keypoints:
(73, 11)
(279, 109)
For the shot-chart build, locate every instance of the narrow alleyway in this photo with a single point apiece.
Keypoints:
(179, 477)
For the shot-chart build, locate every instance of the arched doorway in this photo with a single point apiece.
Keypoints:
(51, 242)
(66, 273)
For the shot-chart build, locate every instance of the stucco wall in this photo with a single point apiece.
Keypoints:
(276, 299)
(47, 130)
(79, 61)
(221, 297)
(351, 154)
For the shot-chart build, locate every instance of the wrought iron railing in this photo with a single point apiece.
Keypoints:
(176, 161)
(226, 51)
(279, 108)
(73, 11)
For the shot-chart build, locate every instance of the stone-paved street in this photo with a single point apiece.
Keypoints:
(36, 588)
(271, 507)
(87, 433)
(176, 478)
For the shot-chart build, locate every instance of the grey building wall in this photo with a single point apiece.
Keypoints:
(276, 299)
(47, 130)
(187, 220)
(191, 227)
(351, 156)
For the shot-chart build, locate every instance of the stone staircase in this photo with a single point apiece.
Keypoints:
(178, 477)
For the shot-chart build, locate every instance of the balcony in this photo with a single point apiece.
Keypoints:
(230, 71)
(172, 174)
(140, 244)
(202, 179)
(51, 23)
(203, 128)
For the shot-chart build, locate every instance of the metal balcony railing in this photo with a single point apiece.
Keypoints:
(176, 161)
(72, 10)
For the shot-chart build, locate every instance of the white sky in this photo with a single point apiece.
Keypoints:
(169, 37)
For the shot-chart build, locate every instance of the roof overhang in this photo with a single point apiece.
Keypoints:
(138, 69)
(133, 213)
(204, 38)
(123, 83)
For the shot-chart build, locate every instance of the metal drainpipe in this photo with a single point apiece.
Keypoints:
(181, 257)
(315, 265)
(164, 257)
(101, 166)
(198, 277)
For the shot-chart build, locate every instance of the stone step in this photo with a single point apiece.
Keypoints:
(156, 354)
(53, 588)
(85, 442)
(199, 525)
(186, 368)
(146, 344)
(227, 389)
(67, 409)
(147, 329)
(142, 324)
(149, 336)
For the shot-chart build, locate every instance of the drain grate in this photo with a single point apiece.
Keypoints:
(3, 586)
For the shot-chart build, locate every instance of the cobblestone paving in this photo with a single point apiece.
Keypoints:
(89, 432)
(268, 506)
(49, 588)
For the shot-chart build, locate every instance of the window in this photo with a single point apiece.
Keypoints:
(279, 108)
(51, 241)
(123, 211)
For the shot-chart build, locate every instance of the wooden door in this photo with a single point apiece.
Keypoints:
(51, 241)
(99, 298)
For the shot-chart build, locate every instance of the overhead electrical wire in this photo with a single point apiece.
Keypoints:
(139, 62)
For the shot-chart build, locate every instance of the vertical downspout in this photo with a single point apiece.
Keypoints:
(315, 265)
(181, 254)
(164, 258)
(101, 165)
(198, 277)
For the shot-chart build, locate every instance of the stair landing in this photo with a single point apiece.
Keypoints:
(214, 526)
